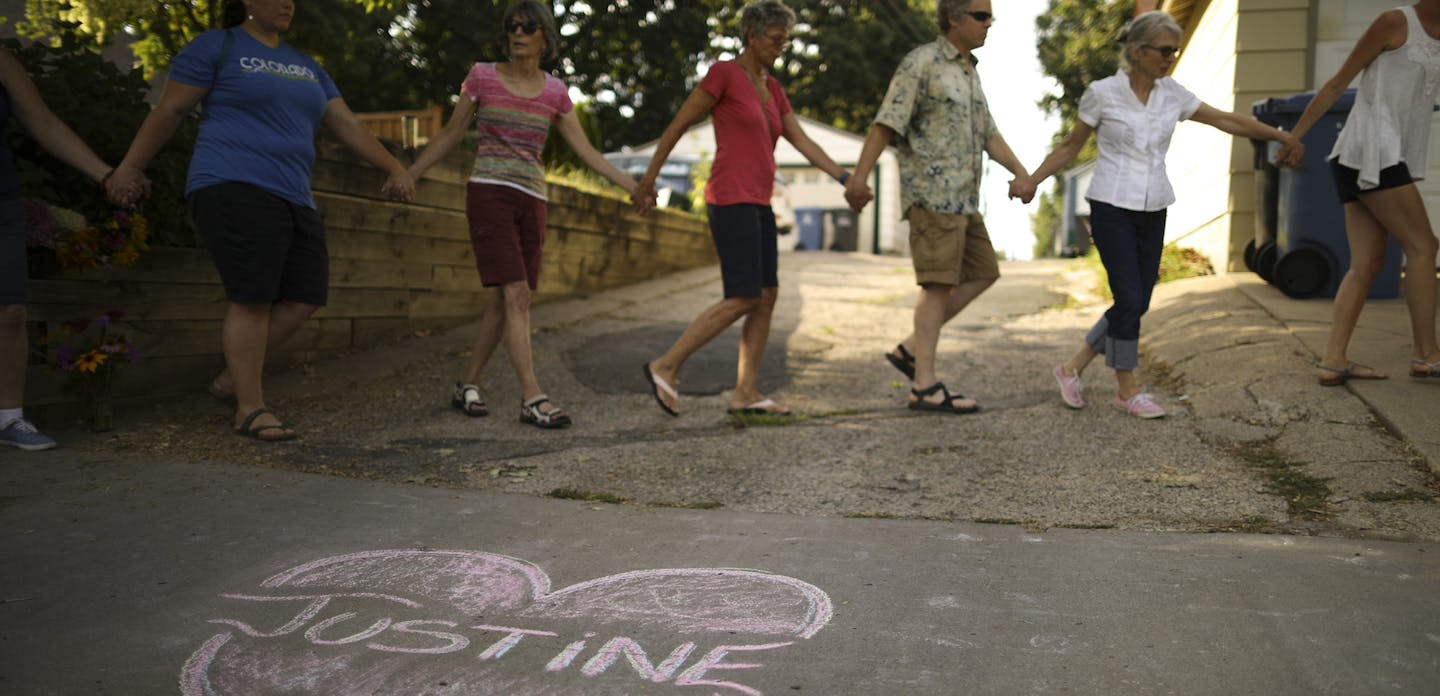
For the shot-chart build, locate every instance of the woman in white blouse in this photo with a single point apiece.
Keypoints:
(1377, 159)
(1133, 114)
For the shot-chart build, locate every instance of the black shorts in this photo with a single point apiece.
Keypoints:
(1347, 180)
(266, 248)
(13, 271)
(745, 239)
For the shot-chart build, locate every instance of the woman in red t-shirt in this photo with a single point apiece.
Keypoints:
(750, 114)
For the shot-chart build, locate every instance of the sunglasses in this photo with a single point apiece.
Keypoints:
(528, 26)
(1164, 51)
(981, 16)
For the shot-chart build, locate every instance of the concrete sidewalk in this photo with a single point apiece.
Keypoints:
(132, 576)
(843, 553)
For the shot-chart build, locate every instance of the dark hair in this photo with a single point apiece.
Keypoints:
(233, 14)
(537, 12)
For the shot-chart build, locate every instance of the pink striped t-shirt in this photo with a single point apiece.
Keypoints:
(512, 129)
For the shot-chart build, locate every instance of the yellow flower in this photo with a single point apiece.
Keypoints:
(90, 361)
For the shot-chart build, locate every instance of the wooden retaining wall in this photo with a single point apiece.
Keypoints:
(396, 269)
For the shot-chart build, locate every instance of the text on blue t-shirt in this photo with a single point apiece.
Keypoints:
(260, 114)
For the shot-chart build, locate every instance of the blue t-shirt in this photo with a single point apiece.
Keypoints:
(260, 114)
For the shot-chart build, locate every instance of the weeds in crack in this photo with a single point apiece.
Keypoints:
(1306, 497)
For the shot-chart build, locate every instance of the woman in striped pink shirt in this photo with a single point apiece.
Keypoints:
(512, 105)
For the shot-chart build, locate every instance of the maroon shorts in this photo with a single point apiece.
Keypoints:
(507, 231)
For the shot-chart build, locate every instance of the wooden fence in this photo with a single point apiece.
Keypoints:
(396, 269)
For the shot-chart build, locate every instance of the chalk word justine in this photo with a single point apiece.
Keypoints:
(384, 622)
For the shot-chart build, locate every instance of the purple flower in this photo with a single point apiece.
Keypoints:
(65, 356)
(39, 224)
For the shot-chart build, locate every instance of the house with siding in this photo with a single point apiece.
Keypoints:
(1235, 53)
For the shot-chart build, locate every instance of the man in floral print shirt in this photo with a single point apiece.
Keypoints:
(936, 112)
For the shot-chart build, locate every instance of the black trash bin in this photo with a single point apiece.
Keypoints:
(844, 224)
(1311, 254)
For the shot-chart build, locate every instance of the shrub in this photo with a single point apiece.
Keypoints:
(105, 107)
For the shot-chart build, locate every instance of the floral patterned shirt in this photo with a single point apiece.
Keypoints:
(941, 121)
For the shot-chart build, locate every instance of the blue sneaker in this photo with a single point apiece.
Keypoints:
(23, 435)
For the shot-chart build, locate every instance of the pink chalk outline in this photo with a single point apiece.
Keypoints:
(674, 598)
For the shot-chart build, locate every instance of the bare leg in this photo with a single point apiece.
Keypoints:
(753, 337)
(286, 318)
(1401, 212)
(13, 351)
(960, 297)
(1367, 240)
(1080, 360)
(244, 336)
(517, 337)
(487, 337)
(702, 330)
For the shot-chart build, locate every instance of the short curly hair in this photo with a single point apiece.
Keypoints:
(762, 15)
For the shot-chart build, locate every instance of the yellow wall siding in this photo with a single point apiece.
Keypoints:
(1240, 51)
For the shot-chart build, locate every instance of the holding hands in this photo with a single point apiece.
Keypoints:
(400, 185)
(125, 186)
(1291, 152)
(644, 195)
(858, 193)
(1023, 187)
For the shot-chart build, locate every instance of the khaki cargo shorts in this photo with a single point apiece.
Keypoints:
(950, 249)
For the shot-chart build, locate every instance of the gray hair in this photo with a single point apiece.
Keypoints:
(759, 16)
(945, 10)
(1144, 29)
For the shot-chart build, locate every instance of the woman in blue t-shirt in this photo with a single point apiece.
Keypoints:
(19, 97)
(249, 185)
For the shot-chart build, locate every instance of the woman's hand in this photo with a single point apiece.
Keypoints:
(858, 194)
(643, 197)
(125, 186)
(400, 186)
(1291, 152)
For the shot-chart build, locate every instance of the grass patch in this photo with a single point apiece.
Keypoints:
(1306, 497)
(765, 420)
(587, 496)
(1099, 525)
(698, 505)
(1176, 263)
(1396, 496)
(871, 516)
(998, 520)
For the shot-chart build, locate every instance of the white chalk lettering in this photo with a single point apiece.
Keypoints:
(635, 655)
(455, 641)
(396, 607)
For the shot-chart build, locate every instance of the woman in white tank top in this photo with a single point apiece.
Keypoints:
(1378, 156)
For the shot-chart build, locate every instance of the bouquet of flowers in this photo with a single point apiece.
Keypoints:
(92, 354)
(80, 245)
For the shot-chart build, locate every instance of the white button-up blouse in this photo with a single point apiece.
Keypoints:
(1132, 139)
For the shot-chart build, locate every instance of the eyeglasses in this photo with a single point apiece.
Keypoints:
(528, 26)
(981, 17)
(779, 40)
(1164, 51)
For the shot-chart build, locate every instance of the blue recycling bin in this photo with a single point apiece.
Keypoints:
(810, 223)
(1310, 253)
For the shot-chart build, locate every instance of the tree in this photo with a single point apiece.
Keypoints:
(635, 59)
(1075, 40)
(1076, 43)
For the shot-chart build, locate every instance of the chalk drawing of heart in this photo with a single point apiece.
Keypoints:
(470, 622)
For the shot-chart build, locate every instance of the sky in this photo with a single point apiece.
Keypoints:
(1013, 82)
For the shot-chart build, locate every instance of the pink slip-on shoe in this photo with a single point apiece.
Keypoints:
(1140, 406)
(1071, 390)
